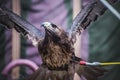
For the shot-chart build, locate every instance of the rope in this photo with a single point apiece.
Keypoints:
(99, 63)
(109, 63)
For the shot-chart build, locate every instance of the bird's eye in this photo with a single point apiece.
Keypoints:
(54, 26)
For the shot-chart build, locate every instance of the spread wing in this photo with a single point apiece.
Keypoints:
(87, 15)
(11, 20)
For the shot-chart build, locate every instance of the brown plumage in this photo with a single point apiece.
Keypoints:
(56, 50)
(59, 61)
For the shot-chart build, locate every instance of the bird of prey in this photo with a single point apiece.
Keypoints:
(55, 45)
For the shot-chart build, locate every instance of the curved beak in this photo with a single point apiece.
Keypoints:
(49, 27)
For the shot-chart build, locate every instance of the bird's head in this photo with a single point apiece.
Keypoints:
(52, 29)
(55, 33)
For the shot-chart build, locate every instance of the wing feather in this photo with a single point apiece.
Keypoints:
(12, 20)
(87, 15)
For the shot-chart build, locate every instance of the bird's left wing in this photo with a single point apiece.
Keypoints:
(88, 14)
(12, 20)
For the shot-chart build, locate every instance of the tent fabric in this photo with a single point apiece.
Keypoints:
(104, 43)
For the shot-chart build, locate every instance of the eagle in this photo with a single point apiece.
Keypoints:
(59, 60)
(56, 46)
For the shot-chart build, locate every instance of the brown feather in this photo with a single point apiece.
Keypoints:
(56, 53)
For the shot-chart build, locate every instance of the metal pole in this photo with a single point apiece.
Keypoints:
(117, 14)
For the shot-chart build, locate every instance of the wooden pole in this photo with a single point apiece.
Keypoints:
(76, 10)
(15, 40)
(77, 45)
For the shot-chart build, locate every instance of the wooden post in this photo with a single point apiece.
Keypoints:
(76, 10)
(77, 45)
(15, 40)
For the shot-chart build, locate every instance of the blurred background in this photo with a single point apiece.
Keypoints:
(99, 42)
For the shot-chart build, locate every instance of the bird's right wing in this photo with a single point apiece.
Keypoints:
(12, 20)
